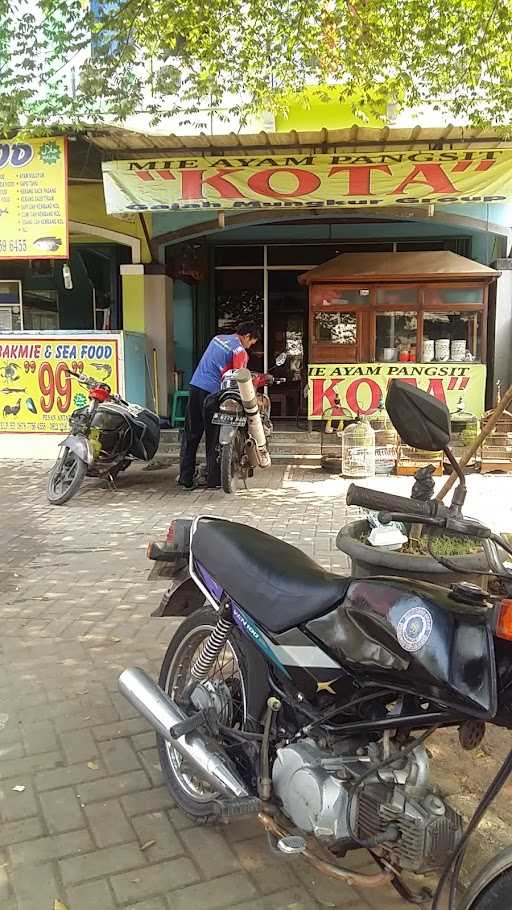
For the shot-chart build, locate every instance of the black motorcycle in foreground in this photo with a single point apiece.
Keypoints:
(106, 436)
(308, 698)
(245, 425)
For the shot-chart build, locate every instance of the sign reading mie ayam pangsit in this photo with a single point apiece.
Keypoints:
(359, 388)
(367, 179)
(33, 199)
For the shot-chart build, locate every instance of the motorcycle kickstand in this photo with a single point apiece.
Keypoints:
(112, 482)
(407, 894)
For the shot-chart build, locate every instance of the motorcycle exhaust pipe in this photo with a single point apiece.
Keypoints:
(252, 453)
(254, 424)
(205, 756)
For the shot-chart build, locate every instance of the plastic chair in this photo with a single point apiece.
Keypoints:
(178, 411)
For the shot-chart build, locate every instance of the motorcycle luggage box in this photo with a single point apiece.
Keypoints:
(146, 434)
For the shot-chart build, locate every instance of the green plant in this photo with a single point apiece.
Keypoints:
(185, 57)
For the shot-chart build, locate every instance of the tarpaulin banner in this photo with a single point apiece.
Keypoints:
(359, 388)
(310, 181)
(33, 199)
(36, 393)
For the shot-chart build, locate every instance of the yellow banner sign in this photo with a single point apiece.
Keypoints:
(310, 181)
(33, 199)
(345, 390)
(36, 394)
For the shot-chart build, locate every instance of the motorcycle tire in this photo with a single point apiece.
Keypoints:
(194, 797)
(62, 490)
(229, 465)
(497, 895)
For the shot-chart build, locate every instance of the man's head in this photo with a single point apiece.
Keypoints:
(248, 333)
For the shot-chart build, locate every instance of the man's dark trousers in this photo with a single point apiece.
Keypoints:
(198, 421)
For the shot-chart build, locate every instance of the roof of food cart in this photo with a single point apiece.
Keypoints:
(424, 264)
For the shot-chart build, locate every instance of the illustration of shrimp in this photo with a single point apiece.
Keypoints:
(13, 409)
(103, 368)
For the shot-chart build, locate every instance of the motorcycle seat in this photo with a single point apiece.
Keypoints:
(276, 583)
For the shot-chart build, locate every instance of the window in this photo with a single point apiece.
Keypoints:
(453, 297)
(398, 297)
(452, 337)
(238, 255)
(335, 328)
(396, 335)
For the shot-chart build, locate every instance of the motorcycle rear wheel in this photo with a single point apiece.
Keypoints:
(65, 478)
(227, 684)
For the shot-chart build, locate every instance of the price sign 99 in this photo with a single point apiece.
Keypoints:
(55, 387)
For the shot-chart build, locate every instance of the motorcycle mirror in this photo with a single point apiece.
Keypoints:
(281, 359)
(421, 420)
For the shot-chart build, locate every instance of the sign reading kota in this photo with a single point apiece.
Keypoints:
(370, 179)
(360, 387)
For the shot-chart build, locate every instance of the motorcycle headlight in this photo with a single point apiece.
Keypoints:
(230, 406)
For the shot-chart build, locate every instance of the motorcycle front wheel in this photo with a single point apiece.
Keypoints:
(497, 895)
(225, 689)
(230, 456)
(65, 477)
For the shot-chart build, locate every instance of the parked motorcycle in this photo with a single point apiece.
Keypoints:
(245, 426)
(106, 437)
(307, 698)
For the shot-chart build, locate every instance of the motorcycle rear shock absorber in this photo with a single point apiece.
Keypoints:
(210, 650)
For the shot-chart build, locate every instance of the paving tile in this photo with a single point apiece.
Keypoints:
(78, 745)
(155, 829)
(15, 805)
(106, 787)
(90, 896)
(147, 801)
(61, 810)
(108, 823)
(35, 892)
(23, 830)
(101, 862)
(162, 877)
(214, 895)
(210, 851)
(118, 756)
(47, 848)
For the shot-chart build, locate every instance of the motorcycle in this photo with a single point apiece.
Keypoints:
(245, 426)
(307, 698)
(106, 437)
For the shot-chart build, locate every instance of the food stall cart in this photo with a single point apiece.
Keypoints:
(419, 316)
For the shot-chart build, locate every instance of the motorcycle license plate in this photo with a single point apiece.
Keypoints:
(231, 419)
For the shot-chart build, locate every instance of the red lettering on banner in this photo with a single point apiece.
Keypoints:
(166, 174)
(321, 391)
(359, 177)
(143, 175)
(352, 396)
(307, 182)
(432, 174)
(192, 183)
(436, 388)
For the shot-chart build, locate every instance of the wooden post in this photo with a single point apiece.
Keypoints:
(475, 445)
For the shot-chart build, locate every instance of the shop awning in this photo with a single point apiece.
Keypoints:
(422, 265)
(117, 142)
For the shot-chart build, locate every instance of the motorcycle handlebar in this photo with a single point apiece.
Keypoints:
(378, 501)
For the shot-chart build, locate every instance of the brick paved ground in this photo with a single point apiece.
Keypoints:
(93, 827)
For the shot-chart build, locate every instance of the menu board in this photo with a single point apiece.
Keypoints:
(33, 199)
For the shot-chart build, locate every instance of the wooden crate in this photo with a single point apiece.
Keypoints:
(410, 460)
(496, 450)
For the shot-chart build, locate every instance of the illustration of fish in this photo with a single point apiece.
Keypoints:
(103, 368)
(8, 391)
(48, 244)
(31, 406)
(12, 409)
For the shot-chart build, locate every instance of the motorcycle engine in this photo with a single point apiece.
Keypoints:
(314, 787)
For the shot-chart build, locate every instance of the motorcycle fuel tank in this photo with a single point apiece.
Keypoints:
(413, 636)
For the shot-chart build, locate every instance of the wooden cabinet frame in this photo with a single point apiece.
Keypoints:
(364, 349)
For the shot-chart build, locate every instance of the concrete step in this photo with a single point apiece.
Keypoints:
(172, 459)
(276, 448)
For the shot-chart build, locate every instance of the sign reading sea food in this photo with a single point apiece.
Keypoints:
(359, 388)
(33, 199)
(362, 179)
(36, 393)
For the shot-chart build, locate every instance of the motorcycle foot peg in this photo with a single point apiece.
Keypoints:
(292, 845)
